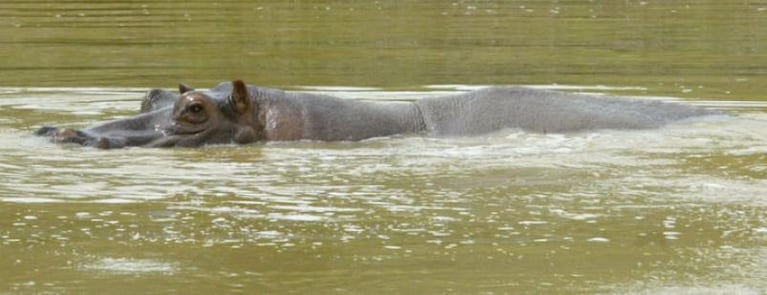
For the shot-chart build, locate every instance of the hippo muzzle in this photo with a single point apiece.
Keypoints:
(189, 119)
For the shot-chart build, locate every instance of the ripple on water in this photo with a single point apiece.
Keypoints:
(697, 290)
(442, 198)
(130, 266)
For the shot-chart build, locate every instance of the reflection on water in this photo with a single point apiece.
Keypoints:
(679, 209)
(129, 266)
(698, 48)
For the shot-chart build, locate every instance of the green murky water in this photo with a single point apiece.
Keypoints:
(675, 210)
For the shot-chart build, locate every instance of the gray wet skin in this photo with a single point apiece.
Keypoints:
(239, 113)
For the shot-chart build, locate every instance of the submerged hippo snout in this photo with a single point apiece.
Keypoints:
(46, 131)
(190, 119)
(68, 135)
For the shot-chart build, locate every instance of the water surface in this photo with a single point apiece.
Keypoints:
(701, 48)
(679, 209)
(608, 211)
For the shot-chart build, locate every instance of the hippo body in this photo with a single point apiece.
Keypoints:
(239, 113)
(536, 110)
(296, 116)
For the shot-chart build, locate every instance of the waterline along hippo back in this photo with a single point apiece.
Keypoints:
(239, 113)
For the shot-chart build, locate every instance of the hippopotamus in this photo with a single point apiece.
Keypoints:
(234, 112)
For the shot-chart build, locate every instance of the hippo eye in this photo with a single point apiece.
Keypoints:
(195, 108)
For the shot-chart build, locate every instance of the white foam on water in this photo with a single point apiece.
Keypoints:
(130, 266)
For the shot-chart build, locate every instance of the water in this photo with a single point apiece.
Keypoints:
(676, 210)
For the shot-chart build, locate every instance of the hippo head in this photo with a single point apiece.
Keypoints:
(225, 114)
(222, 115)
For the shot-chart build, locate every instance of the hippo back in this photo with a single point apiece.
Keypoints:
(536, 110)
(330, 118)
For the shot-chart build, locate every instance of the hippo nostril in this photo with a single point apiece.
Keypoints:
(148, 104)
(156, 99)
(153, 93)
(47, 131)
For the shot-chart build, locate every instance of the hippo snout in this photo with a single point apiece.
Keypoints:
(46, 131)
(67, 135)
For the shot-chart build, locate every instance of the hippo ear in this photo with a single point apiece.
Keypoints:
(240, 98)
(183, 88)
